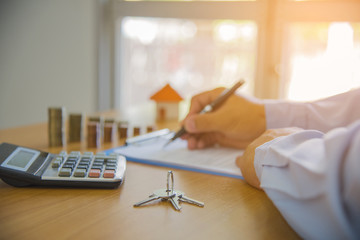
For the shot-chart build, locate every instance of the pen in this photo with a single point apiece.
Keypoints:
(208, 108)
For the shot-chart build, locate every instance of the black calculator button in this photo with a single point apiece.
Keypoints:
(70, 162)
(65, 172)
(99, 161)
(110, 168)
(84, 162)
(82, 167)
(72, 159)
(97, 167)
(71, 166)
(111, 164)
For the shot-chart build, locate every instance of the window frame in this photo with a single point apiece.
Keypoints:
(288, 12)
(243, 10)
(271, 17)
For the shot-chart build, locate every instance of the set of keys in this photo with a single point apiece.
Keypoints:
(171, 195)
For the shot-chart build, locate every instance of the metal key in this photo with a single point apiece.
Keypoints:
(184, 198)
(171, 195)
(162, 194)
(175, 201)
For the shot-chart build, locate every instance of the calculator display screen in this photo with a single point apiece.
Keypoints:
(21, 159)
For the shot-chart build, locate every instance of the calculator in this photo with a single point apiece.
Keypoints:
(21, 167)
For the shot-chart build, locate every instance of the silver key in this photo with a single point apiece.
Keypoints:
(184, 198)
(175, 201)
(162, 194)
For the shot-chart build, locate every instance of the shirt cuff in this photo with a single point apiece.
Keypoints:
(260, 157)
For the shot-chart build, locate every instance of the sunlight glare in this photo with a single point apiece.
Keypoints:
(326, 74)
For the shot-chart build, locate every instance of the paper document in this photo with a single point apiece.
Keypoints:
(215, 160)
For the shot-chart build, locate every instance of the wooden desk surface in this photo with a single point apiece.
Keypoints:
(233, 210)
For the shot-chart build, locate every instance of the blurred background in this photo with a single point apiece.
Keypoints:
(98, 55)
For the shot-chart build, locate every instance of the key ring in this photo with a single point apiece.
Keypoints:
(172, 182)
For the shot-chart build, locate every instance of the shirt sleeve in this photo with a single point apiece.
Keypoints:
(324, 115)
(314, 181)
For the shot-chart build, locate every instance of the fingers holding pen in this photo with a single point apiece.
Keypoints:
(198, 102)
(202, 123)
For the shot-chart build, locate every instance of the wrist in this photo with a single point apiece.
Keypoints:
(258, 121)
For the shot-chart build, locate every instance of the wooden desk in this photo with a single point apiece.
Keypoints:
(233, 210)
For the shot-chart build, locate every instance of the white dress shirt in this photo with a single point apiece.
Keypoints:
(313, 177)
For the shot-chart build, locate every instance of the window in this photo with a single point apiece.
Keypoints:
(323, 59)
(191, 55)
(284, 49)
(184, 45)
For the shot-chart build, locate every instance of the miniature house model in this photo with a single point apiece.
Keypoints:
(167, 103)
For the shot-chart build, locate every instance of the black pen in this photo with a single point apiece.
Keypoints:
(208, 108)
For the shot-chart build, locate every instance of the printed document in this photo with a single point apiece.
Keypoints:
(215, 160)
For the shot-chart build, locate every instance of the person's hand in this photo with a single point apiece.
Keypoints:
(235, 123)
(246, 161)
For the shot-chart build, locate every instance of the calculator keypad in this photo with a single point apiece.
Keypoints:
(86, 165)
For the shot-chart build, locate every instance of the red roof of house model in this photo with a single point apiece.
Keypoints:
(166, 94)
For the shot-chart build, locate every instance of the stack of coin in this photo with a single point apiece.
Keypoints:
(76, 125)
(150, 128)
(109, 130)
(56, 126)
(136, 131)
(100, 120)
(123, 129)
(93, 135)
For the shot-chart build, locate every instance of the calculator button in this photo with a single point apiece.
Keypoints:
(111, 164)
(99, 160)
(69, 165)
(110, 168)
(65, 172)
(82, 167)
(96, 167)
(80, 172)
(111, 161)
(63, 153)
(70, 162)
(56, 164)
(94, 173)
(109, 174)
(84, 161)
(74, 153)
